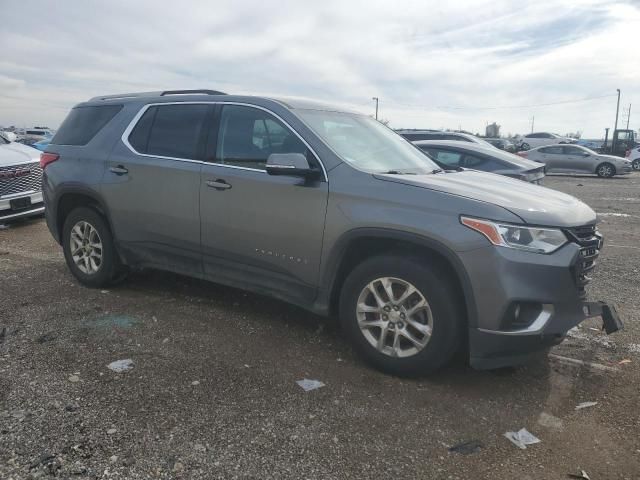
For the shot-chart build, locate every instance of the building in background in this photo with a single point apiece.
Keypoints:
(492, 130)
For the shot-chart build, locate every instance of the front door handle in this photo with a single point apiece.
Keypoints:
(218, 184)
(119, 170)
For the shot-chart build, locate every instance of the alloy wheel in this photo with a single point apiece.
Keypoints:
(394, 317)
(605, 171)
(636, 164)
(86, 248)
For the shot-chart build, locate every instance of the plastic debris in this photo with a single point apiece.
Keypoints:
(582, 475)
(522, 438)
(74, 378)
(308, 385)
(622, 362)
(582, 405)
(121, 366)
(195, 383)
(466, 448)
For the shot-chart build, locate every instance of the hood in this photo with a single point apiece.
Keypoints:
(534, 204)
(15, 153)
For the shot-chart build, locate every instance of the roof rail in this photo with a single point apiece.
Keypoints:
(125, 95)
(186, 92)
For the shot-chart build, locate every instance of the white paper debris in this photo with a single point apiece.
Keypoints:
(120, 366)
(308, 385)
(582, 405)
(522, 438)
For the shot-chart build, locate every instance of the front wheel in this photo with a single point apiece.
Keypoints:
(401, 315)
(605, 170)
(525, 146)
(89, 249)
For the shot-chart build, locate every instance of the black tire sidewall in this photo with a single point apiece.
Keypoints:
(110, 262)
(433, 284)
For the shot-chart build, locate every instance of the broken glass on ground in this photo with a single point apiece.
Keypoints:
(120, 366)
(308, 385)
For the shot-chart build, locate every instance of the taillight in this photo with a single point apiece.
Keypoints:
(523, 154)
(47, 158)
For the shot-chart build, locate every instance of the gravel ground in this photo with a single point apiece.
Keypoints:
(212, 392)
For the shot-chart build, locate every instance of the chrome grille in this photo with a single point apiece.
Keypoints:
(10, 184)
(588, 237)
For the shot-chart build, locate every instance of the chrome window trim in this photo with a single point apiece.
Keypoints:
(136, 118)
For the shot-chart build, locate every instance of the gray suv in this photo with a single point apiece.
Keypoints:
(328, 210)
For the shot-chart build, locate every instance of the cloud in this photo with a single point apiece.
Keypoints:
(418, 57)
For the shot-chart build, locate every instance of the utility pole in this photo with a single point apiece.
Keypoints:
(377, 100)
(533, 121)
(613, 138)
(628, 116)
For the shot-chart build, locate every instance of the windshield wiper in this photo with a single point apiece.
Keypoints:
(396, 172)
(437, 170)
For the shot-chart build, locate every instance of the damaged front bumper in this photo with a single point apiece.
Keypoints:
(532, 302)
(496, 349)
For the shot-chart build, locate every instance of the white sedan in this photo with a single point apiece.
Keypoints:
(540, 139)
(633, 155)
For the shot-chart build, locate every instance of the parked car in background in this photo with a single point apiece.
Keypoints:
(34, 135)
(502, 144)
(633, 155)
(454, 154)
(334, 213)
(20, 181)
(42, 144)
(415, 135)
(539, 139)
(578, 159)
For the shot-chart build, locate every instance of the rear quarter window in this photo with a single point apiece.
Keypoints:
(83, 123)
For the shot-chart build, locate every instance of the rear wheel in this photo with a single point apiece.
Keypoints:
(605, 170)
(636, 164)
(401, 315)
(89, 249)
(525, 146)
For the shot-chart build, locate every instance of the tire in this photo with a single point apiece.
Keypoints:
(446, 320)
(636, 164)
(605, 170)
(525, 146)
(109, 268)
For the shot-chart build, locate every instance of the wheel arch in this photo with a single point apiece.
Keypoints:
(356, 245)
(73, 197)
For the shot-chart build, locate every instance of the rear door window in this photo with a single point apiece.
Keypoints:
(482, 163)
(552, 150)
(445, 157)
(173, 131)
(83, 123)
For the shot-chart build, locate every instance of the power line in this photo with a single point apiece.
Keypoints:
(501, 107)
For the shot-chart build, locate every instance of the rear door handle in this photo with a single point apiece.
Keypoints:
(218, 184)
(119, 170)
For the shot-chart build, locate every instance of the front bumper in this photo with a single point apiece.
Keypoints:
(36, 206)
(546, 290)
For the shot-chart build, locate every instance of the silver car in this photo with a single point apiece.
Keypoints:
(578, 159)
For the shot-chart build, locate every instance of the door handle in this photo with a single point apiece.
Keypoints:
(119, 170)
(218, 184)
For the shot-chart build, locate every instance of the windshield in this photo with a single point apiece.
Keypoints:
(367, 144)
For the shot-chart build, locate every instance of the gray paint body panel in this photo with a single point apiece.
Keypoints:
(284, 236)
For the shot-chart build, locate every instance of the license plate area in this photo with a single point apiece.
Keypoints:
(20, 203)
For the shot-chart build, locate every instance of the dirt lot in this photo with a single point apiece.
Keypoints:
(213, 393)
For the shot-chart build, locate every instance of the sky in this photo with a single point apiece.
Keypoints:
(432, 64)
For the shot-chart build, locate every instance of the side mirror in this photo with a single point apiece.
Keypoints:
(292, 164)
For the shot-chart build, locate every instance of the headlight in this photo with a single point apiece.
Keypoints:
(531, 239)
